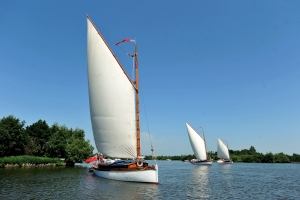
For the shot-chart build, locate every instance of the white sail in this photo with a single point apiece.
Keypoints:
(197, 143)
(111, 98)
(222, 150)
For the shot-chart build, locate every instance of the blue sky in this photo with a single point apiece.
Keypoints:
(231, 67)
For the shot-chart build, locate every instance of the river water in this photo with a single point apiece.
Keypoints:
(177, 180)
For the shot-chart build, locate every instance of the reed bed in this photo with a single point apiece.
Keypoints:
(31, 160)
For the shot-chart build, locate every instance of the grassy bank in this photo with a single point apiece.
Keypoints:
(33, 160)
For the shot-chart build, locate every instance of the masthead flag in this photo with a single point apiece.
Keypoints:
(126, 40)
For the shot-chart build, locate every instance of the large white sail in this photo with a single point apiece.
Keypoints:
(197, 143)
(111, 97)
(222, 150)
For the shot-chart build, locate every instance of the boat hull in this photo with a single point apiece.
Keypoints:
(224, 162)
(202, 163)
(142, 176)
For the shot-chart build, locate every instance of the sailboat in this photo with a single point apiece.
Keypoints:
(223, 153)
(199, 147)
(114, 111)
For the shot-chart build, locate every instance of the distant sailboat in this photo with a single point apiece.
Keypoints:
(114, 110)
(223, 153)
(199, 147)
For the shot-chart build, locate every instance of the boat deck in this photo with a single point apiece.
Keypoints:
(122, 166)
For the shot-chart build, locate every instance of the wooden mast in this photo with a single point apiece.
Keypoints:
(227, 149)
(137, 104)
(205, 144)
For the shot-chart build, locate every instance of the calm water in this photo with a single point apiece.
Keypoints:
(178, 180)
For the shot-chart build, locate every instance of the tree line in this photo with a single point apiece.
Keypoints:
(245, 155)
(58, 141)
(252, 156)
(41, 140)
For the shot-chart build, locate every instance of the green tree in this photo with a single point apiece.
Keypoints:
(187, 157)
(248, 159)
(258, 157)
(268, 158)
(252, 150)
(295, 158)
(281, 158)
(4, 141)
(56, 146)
(77, 147)
(69, 144)
(13, 137)
(39, 134)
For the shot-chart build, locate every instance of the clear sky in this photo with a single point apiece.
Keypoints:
(232, 67)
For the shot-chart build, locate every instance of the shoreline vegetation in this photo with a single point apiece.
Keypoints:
(243, 156)
(41, 145)
(246, 156)
(29, 162)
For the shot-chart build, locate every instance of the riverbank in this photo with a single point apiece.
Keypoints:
(29, 162)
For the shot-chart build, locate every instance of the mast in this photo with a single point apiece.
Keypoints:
(227, 148)
(205, 144)
(137, 103)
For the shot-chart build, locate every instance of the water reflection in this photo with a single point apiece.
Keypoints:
(178, 180)
(95, 187)
(198, 186)
(225, 180)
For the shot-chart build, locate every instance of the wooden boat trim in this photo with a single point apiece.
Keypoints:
(123, 167)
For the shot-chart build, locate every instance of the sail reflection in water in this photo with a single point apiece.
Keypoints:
(200, 181)
(225, 179)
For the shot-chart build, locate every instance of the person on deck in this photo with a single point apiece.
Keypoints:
(97, 159)
(101, 159)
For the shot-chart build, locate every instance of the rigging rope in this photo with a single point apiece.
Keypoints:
(122, 49)
(128, 54)
(152, 149)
